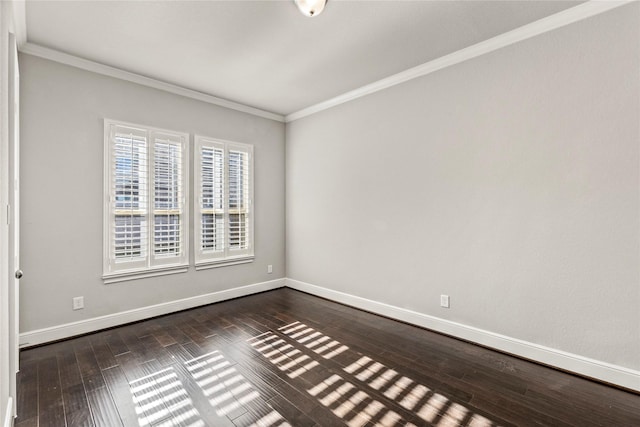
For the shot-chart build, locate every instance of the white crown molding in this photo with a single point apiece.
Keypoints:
(96, 67)
(603, 371)
(558, 20)
(54, 333)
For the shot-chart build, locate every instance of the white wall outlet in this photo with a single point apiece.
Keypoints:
(269, 268)
(78, 303)
(444, 301)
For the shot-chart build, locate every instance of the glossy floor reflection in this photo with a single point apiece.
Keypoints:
(161, 400)
(228, 391)
(161, 395)
(348, 395)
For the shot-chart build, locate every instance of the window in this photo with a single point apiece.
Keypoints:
(146, 222)
(224, 210)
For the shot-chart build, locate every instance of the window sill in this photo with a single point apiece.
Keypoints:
(204, 265)
(124, 276)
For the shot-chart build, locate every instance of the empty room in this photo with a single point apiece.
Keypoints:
(317, 213)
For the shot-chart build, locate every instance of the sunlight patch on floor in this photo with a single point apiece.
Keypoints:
(351, 401)
(162, 395)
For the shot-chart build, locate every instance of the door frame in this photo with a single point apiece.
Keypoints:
(14, 215)
(9, 163)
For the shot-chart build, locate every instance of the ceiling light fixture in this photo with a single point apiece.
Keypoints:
(310, 7)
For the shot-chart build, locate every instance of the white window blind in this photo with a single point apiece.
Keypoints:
(129, 170)
(224, 213)
(145, 211)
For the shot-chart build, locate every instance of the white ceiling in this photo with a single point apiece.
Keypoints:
(265, 54)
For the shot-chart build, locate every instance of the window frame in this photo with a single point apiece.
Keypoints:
(151, 264)
(211, 259)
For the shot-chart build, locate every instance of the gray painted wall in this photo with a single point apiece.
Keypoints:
(509, 182)
(62, 191)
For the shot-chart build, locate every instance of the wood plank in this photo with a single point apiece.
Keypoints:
(118, 386)
(115, 343)
(87, 363)
(105, 413)
(28, 422)
(76, 405)
(27, 389)
(200, 402)
(102, 351)
(51, 406)
(141, 379)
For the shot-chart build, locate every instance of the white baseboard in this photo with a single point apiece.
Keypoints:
(8, 416)
(67, 330)
(613, 374)
(596, 369)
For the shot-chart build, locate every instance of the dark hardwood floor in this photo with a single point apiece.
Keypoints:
(287, 358)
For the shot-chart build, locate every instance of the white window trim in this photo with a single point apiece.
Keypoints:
(151, 269)
(206, 261)
(205, 265)
(126, 275)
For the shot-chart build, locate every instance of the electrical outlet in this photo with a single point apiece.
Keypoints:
(78, 303)
(269, 268)
(444, 301)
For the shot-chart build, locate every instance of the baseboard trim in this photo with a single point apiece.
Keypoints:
(8, 416)
(599, 370)
(54, 333)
